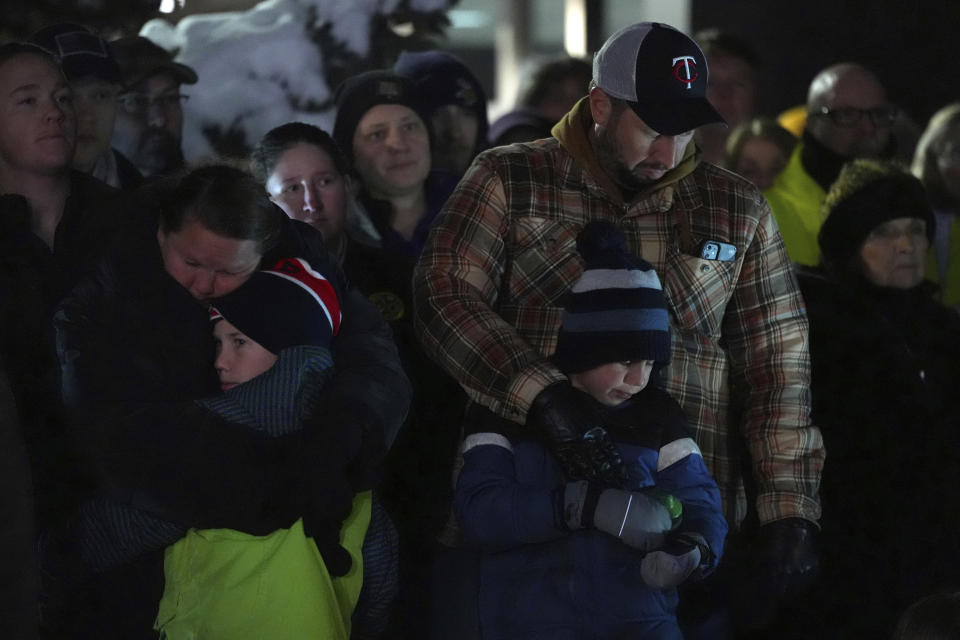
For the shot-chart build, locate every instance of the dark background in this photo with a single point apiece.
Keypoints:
(912, 46)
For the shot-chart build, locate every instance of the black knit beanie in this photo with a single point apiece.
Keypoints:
(288, 305)
(616, 310)
(358, 94)
(850, 217)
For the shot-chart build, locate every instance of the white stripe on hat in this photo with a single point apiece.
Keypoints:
(616, 279)
(310, 290)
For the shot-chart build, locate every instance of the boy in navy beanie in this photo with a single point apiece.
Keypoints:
(622, 552)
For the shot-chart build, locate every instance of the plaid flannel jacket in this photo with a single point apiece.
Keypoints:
(490, 286)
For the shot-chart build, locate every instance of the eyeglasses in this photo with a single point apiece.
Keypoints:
(140, 103)
(851, 117)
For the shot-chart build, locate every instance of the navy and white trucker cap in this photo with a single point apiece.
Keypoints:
(661, 73)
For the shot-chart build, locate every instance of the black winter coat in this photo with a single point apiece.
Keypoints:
(416, 488)
(33, 279)
(136, 349)
(885, 389)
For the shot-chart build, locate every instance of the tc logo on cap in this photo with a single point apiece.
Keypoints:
(685, 69)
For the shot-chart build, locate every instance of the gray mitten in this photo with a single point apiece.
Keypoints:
(640, 519)
(668, 567)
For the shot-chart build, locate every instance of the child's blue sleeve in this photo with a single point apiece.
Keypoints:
(493, 508)
(682, 472)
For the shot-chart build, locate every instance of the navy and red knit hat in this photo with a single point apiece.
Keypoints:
(616, 311)
(288, 305)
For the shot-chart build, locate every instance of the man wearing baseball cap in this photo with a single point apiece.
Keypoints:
(489, 290)
(149, 124)
(95, 80)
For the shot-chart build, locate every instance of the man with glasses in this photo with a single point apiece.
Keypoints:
(95, 81)
(848, 116)
(149, 124)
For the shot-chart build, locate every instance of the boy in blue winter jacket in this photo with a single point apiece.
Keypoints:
(568, 559)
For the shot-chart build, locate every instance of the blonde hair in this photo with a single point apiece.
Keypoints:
(925, 164)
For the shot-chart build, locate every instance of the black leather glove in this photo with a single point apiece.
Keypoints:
(573, 428)
(789, 560)
(331, 444)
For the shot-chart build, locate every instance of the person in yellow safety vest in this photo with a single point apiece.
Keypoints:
(848, 116)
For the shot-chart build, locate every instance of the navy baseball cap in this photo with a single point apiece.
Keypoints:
(139, 58)
(661, 73)
(80, 51)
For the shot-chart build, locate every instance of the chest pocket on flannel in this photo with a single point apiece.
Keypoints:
(698, 290)
(543, 262)
(542, 266)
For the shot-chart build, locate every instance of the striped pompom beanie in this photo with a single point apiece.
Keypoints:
(616, 311)
(288, 305)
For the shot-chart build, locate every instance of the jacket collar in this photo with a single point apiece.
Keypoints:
(573, 134)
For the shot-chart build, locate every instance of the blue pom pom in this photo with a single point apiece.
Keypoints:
(602, 243)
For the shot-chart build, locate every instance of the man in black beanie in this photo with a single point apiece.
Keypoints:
(457, 106)
(383, 128)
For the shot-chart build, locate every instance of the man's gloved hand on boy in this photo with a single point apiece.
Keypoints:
(638, 518)
(329, 448)
(683, 556)
(573, 428)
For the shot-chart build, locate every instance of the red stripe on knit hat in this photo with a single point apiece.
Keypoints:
(299, 272)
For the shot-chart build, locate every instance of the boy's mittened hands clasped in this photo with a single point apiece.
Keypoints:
(635, 517)
(670, 566)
